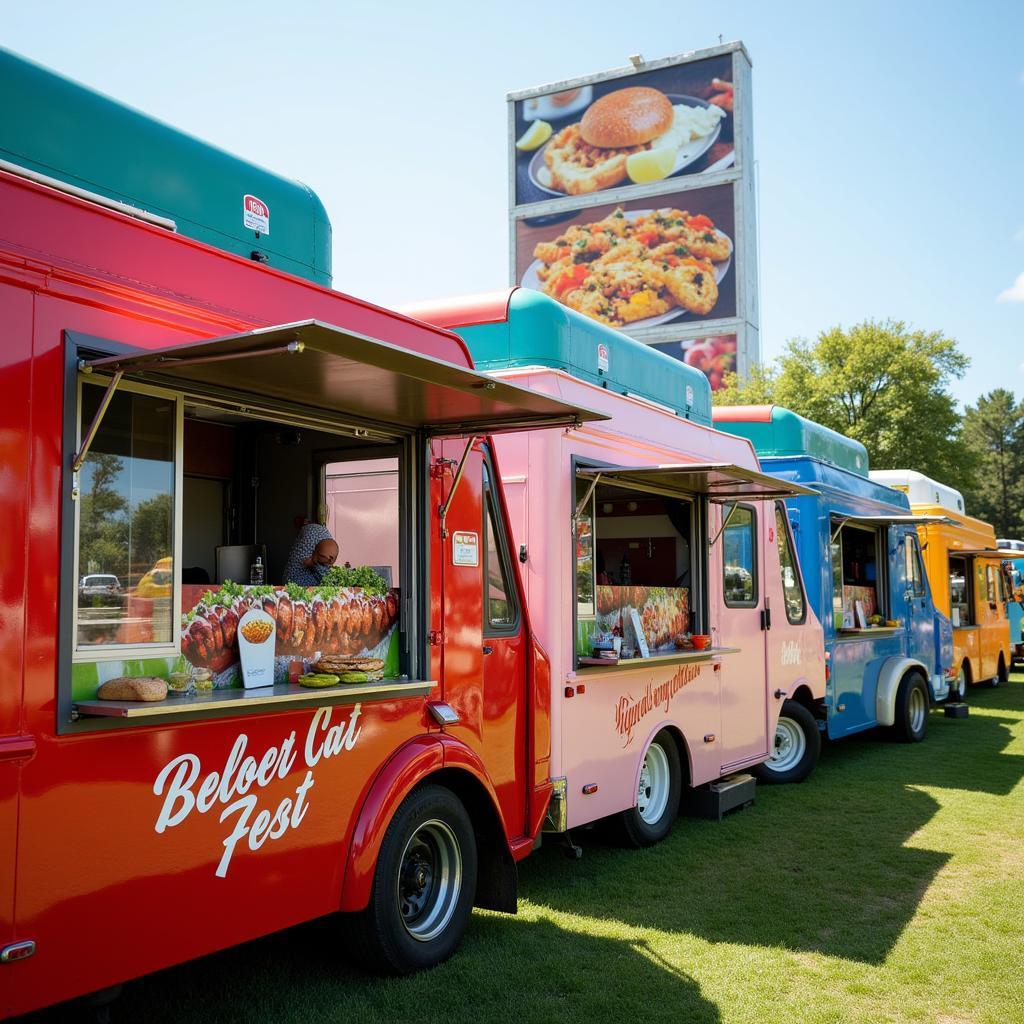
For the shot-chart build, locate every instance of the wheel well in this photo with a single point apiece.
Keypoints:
(803, 695)
(1003, 674)
(684, 752)
(497, 878)
(968, 675)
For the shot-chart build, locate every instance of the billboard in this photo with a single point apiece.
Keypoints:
(588, 138)
(637, 264)
(631, 200)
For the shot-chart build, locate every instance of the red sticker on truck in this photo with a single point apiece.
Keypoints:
(255, 215)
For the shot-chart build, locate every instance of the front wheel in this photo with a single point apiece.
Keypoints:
(912, 708)
(658, 792)
(423, 886)
(796, 748)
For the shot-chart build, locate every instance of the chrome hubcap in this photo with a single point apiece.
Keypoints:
(429, 880)
(918, 709)
(961, 684)
(790, 746)
(652, 791)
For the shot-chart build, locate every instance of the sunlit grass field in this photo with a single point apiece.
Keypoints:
(888, 887)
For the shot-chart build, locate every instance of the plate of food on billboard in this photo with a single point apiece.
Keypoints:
(637, 265)
(634, 130)
(714, 356)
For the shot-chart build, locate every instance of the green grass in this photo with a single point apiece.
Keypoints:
(887, 888)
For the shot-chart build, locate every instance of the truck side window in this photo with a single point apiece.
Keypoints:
(501, 612)
(990, 584)
(792, 588)
(858, 580)
(126, 521)
(739, 556)
(915, 573)
(959, 592)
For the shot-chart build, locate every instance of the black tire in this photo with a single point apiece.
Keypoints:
(409, 898)
(962, 684)
(911, 723)
(794, 716)
(636, 826)
(1001, 676)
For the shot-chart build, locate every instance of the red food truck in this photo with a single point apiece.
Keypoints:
(155, 417)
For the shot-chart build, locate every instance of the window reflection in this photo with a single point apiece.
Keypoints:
(126, 521)
(791, 588)
(738, 548)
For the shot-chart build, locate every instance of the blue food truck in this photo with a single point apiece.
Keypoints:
(1014, 570)
(889, 650)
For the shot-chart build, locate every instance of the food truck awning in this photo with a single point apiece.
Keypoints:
(840, 520)
(893, 520)
(1003, 553)
(334, 375)
(720, 481)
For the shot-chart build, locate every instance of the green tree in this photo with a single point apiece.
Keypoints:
(151, 531)
(103, 519)
(994, 430)
(878, 382)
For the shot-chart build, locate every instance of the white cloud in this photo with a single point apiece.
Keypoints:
(1015, 293)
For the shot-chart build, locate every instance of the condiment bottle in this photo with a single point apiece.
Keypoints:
(256, 572)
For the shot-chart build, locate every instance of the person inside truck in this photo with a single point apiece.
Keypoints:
(313, 552)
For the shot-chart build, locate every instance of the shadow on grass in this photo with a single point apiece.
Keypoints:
(506, 969)
(1008, 696)
(821, 867)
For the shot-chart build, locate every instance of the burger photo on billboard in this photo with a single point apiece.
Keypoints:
(629, 130)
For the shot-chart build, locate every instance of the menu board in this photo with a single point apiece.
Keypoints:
(632, 202)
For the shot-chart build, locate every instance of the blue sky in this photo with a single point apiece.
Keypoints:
(887, 135)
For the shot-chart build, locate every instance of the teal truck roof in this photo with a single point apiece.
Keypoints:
(57, 129)
(521, 327)
(775, 431)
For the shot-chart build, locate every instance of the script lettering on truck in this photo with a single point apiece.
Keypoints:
(629, 711)
(179, 784)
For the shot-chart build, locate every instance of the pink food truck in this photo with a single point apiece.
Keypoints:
(659, 568)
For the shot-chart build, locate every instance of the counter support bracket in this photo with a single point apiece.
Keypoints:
(443, 510)
(586, 497)
(90, 434)
(725, 523)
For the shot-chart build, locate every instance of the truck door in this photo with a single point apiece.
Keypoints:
(920, 613)
(745, 620)
(504, 661)
(990, 618)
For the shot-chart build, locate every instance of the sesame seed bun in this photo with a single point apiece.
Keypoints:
(627, 117)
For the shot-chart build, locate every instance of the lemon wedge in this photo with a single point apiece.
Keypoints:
(535, 136)
(651, 164)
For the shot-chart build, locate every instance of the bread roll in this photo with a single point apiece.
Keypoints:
(133, 688)
(627, 117)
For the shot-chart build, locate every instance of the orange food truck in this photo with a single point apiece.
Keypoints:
(166, 403)
(964, 567)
